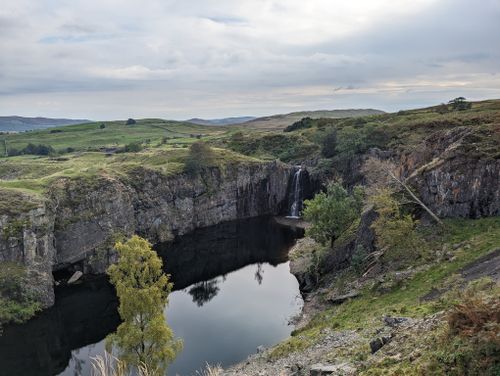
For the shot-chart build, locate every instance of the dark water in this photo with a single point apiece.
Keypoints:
(233, 292)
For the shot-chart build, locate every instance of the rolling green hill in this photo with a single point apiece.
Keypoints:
(91, 137)
(276, 122)
(90, 149)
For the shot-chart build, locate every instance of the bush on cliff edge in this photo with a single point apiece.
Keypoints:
(18, 302)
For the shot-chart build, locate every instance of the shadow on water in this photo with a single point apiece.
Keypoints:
(198, 263)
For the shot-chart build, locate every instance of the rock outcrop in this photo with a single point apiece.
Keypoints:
(81, 219)
(28, 238)
(461, 187)
(452, 171)
(452, 175)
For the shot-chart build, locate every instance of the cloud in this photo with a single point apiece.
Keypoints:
(213, 58)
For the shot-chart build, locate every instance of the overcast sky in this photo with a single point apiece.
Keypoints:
(114, 59)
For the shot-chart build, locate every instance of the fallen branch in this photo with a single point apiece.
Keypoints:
(417, 200)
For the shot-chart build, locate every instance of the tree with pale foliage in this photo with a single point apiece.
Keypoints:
(143, 338)
(395, 231)
(332, 212)
(383, 175)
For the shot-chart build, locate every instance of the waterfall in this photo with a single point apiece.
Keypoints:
(297, 195)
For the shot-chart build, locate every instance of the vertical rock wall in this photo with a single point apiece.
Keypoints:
(81, 219)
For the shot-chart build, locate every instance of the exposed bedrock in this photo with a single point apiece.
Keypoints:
(453, 176)
(449, 171)
(81, 219)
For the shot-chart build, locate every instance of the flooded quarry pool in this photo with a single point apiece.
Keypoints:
(233, 292)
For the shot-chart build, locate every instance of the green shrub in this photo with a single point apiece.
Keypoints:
(133, 147)
(332, 213)
(301, 124)
(286, 147)
(395, 231)
(36, 150)
(358, 260)
(17, 301)
(200, 156)
(329, 143)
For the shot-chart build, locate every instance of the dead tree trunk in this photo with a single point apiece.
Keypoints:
(414, 196)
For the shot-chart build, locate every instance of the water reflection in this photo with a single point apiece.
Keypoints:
(242, 311)
(82, 316)
(259, 274)
(241, 317)
(203, 292)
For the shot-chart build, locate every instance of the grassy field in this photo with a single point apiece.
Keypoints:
(88, 149)
(165, 146)
(35, 173)
(116, 133)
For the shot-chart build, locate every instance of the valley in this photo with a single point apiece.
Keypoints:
(103, 182)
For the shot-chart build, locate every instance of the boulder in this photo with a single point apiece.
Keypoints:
(394, 321)
(339, 299)
(75, 277)
(337, 369)
(378, 343)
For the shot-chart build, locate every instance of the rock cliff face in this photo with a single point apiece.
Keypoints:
(81, 219)
(452, 176)
(27, 238)
(448, 171)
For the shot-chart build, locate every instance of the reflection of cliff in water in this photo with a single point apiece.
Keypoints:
(214, 251)
(85, 314)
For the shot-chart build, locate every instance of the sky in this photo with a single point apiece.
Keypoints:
(177, 59)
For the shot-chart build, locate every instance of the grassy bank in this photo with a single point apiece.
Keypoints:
(466, 240)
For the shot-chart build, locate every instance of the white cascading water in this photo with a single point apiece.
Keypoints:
(297, 197)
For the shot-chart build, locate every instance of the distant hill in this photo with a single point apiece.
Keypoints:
(284, 120)
(224, 121)
(20, 123)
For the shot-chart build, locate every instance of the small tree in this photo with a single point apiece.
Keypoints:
(332, 213)
(460, 104)
(142, 288)
(381, 174)
(329, 143)
(200, 156)
(395, 231)
(102, 126)
(130, 121)
(351, 141)
(39, 149)
(133, 147)
(301, 124)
